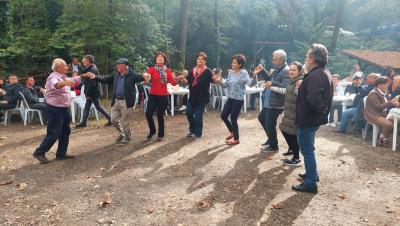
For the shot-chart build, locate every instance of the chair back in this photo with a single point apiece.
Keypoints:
(23, 103)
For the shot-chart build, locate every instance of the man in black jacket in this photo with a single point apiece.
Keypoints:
(124, 95)
(313, 105)
(12, 95)
(91, 91)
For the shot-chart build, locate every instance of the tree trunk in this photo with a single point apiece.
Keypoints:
(4, 23)
(217, 34)
(183, 28)
(315, 4)
(338, 24)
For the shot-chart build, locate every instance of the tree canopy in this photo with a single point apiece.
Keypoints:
(33, 32)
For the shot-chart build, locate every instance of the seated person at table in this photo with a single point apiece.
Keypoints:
(396, 84)
(185, 97)
(336, 105)
(355, 87)
(350, 113)
(76, 87)
(11, 95)
(30, 92)
(376, 109)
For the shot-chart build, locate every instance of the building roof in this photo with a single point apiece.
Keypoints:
(381, 59)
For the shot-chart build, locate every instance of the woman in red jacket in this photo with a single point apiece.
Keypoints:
(158, 99)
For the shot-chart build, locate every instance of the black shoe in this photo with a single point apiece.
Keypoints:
(302, 188)
(150, 136)
(160, 138)
(303, 175)
(266, 144)
(80, 126)
(292, 162)
(108, 124)
(269, 149)
(119, 139)
(124, 141)
(41, 158)
(288, 153)
(198, 136)
(65, 157)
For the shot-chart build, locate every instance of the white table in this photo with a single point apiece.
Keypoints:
(251, 90)
(345, 100)
(394, 114)
(175, 91)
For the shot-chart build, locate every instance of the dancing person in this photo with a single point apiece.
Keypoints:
(287, 125)
(160, 76)
(92, 92)
(58, 99)
(123, 99)
(236, 83)
(199, 80)
(313, 105)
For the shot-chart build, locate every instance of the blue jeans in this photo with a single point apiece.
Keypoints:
(57, 129)
(346, 118)
(306, 139)
(194, 115)
(268, 118)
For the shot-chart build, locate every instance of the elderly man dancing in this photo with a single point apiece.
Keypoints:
(58, 99)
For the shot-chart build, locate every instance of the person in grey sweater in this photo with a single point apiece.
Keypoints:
(274, 101)
(236, 83)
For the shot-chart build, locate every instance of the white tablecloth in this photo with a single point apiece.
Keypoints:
(394, 114)
(251, 90)
(176, 91)
(346, 100)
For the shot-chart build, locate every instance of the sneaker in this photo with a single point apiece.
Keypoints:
(160, 138)
(124, 141)
(269, 149)
(265, 144)
(198, 136)
(183, 108)
(150, 135)
(41, 158)
(288, 153)
(119, 139)
(191, 135)
(302, 188)
(333, 125)
(292, 162)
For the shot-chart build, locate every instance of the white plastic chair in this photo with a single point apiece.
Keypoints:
(136, 96)
(27, 110)
(222, 97)
(375, 128)
(7, 113)
(146, 89)
(214, 95)
(80, 102)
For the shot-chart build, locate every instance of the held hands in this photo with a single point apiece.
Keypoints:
(2, 92)
(89, 75)
(298, 84)
(146, 77)
(69, 83)
(258, 69)
(268, 84)
(43, 91)
(217, 78)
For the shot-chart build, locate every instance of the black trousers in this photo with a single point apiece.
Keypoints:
(57, 129)
(291, 140)
(159, 104)
(96, 102)
(268, 118)
(232, 108)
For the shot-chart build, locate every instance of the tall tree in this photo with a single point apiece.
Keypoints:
(4, 23)
(217, 34)
(338, 24)
(183, 28)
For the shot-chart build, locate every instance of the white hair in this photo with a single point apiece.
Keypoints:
(57, 62)
(281, 54)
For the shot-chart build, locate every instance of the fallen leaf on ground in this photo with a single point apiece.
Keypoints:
(269, 157)
(21, 186)
(286, 168)
(150, 210)
(378, 169)
(342, 196)
(107, 200)
(3, 138)
(277, 206)
(205, 203)
(6, 183)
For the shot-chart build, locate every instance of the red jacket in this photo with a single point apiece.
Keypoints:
(157, 87)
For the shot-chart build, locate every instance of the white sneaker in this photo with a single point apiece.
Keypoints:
(328, 125)
(182, 108)
(333, 125)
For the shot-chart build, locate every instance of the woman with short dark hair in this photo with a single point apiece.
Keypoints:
(158, 98)
(236, 83)
(199, 80)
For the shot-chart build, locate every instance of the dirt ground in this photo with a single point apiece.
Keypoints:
(182, 181)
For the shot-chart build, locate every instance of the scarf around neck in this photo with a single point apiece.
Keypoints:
(163, 73)
(197, 72)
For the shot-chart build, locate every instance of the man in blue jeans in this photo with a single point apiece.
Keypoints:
(313, 105)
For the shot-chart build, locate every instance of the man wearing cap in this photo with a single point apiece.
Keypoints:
(123, 99)
(349, 114)
(355, 87)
